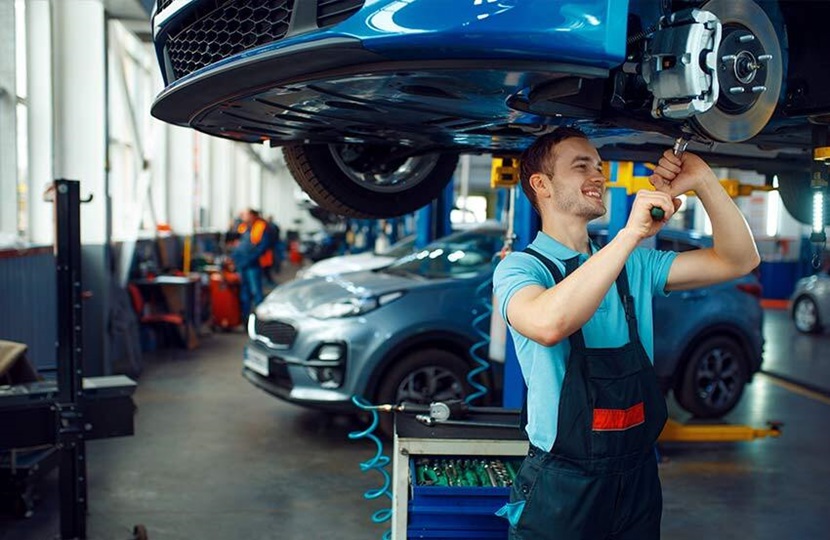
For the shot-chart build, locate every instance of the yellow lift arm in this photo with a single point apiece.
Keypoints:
(625, 179)
(674, 431)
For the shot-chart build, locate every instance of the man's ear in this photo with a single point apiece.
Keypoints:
(540, 185)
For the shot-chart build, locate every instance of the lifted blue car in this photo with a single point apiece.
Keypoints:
(373, 100)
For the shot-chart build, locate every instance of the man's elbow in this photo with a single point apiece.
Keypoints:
(752, 263)
(551, 334)
(747, 263)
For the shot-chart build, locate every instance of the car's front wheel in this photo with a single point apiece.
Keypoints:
(714, 377)
(805, 315)
(369, 181)
(423, 377)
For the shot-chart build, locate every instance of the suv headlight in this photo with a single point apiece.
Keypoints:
(350, 307)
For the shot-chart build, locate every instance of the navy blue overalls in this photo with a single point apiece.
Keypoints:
(599, 480)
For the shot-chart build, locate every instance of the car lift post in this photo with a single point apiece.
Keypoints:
(70, 425)
(433, 220)
(69, 407)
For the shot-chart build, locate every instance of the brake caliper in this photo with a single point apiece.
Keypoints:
(679, 64)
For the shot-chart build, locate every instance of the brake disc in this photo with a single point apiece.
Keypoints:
(750, 68)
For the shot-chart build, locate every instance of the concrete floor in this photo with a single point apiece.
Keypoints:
(215, 458)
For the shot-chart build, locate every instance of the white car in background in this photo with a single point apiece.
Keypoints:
(811, 303)
(369, 260)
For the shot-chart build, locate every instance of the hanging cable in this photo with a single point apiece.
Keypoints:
(484, 300)
(479, 349)
(378, 463)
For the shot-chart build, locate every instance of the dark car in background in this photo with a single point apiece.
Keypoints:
(710, 340)
(404, 332)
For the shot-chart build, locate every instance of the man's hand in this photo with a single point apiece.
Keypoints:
(640, 221)
(676, 175)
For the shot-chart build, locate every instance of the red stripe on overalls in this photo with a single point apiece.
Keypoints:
(619, 419)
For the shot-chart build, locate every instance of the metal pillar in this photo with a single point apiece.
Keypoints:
(8, 120)
(181, 181)
(433, 220)
(39, 118)
(80, 150)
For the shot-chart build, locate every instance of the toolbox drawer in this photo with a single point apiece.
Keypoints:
(459, 511)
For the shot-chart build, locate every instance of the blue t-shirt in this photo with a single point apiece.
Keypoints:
(543, 368)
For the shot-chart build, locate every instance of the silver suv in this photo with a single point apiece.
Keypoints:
(404, 332)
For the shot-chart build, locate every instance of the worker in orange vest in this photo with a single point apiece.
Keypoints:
(250, 255)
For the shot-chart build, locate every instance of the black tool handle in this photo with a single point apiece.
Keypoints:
(657, 213)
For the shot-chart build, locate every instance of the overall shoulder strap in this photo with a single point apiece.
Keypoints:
(576, 339)
(628, 305)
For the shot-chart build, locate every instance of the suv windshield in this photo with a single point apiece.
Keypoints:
(399, 249)
(459, 255)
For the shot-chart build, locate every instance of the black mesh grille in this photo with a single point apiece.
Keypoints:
(278, 333)
(331, 12)
(233, 27)
(162, 5)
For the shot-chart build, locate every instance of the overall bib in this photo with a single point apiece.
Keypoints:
(599, 480)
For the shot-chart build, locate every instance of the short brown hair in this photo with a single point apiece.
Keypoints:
(537, 158)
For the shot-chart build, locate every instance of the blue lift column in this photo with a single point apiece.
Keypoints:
(433, 220)
(618, 204)
(526, 224)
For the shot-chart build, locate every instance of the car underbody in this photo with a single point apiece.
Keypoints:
(363, 127)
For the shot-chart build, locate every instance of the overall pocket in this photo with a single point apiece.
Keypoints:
(521, 492)
(621, 403)
(566, 506)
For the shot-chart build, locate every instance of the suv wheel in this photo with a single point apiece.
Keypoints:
(805, 315)
(368, 181)
(423, 377)
(714, 378)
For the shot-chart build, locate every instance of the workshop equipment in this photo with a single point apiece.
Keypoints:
(67, 412)
(453, 465)
(449, 480)
(674, 431)
(224, 299)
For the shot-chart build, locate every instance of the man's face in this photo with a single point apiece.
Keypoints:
(246, 216)
(576, 179)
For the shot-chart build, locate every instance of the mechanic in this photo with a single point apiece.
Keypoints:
(249, 256)
(581, 321)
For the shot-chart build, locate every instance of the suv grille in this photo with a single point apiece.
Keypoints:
(229, 27)
(331, 12)
(235, 26)
(278, 333)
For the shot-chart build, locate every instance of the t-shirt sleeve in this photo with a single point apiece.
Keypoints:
(657, 264)
(516, 271)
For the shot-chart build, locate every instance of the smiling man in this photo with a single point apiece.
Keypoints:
(581, 322)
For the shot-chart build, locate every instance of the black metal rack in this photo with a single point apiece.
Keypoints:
(74, 409)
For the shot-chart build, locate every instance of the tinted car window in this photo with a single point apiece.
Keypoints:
(460, 255)
(399, 249)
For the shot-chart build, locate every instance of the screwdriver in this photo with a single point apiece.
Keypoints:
(680, 145)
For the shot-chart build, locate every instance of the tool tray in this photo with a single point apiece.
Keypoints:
(456, 511)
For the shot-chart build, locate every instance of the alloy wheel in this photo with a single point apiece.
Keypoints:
(428, 384)
(718, 377)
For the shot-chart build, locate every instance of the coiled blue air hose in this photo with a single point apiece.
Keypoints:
(484, 303)
(378, 463)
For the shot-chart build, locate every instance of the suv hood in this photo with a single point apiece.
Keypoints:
(347, 264)
(299, 296)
